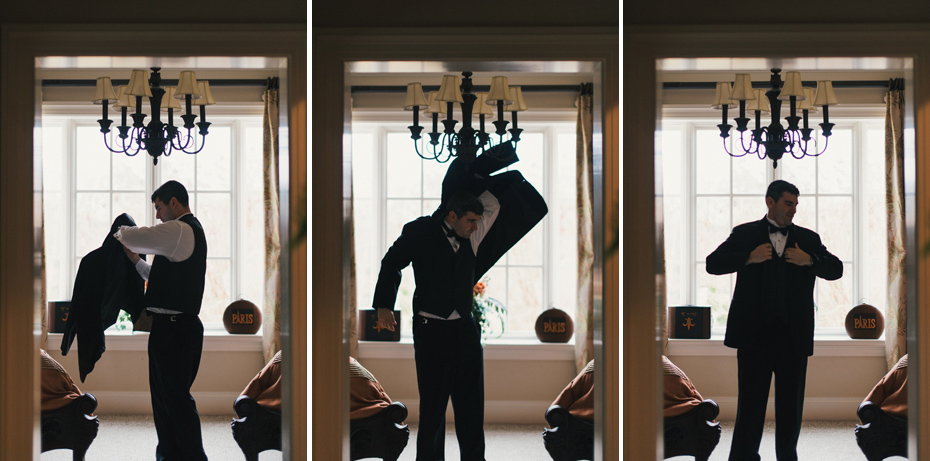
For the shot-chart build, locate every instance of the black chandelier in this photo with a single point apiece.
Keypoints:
(773, 141)
(157, 138)
(467, 141)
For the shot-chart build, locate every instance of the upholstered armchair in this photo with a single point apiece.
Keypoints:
(68, 421)
(570, 435)
(883, 432)
(376, 424)
(258, 407)
(690, 428)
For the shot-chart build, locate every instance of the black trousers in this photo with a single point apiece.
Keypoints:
(756, 367)
(450, 364)
(175, 346)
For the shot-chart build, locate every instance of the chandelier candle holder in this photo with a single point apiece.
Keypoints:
(465, 143)
(774, 140)
(156, 137)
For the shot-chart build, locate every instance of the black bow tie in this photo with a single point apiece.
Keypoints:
(451, 233)
(773, 229)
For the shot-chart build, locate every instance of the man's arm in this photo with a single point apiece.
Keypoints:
(823, 263)
(735, 253)
(172, 239)
(394, 261)
(492, 209)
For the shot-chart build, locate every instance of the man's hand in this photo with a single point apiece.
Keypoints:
(797, 256)
(762, 253)
(134, 257)
(386, 318)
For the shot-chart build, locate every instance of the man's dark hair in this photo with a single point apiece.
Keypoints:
(171, 189)
(778, 187)
(462, 202)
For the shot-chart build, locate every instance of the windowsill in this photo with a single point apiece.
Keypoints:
(213, 341)
(494, 349)
(825, 345)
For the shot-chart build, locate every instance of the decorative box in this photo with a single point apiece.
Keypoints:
(689, 322)
(58, 315)
(369, 330)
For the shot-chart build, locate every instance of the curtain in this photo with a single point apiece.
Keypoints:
(43, 297)
(584, 315)
(271, 311)
(353, 295)
(896, 311)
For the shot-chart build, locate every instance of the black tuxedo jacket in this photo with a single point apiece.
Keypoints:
(106, 282)
(774, 288)
(445, 278)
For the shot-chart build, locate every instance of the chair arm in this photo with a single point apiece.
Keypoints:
(708, 410)
(245, 406)
(395, 413)
(868, 412)
(87, 403)
(557, 416)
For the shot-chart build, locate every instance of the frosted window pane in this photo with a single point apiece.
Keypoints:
(713, 224)
(433, 173)
(529, 250)
(129, 172)
(179, 167)
(834, 299)
(93, 220)
(399, 212)
(429, 206)
(136, 204)
(836, 225)
(214, 213)
(403, 167)
(749, 175)
(530, 150)
(53, 178)
(216, 293)
(834, 167)
(714, 291)
(712, 163)
(747, 209)
(806, 215)
(524, 289)
(214, 161)
(92, 162)
(802, 173)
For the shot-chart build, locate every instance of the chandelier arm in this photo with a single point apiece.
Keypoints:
(203, 143)
(746, 150)
(825, 142)
(115, 151)
(187, 140)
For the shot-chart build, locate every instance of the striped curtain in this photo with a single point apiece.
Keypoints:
(896, 311)
(271, 312)
(584, 315)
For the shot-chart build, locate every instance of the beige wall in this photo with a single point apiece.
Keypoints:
(835, 385)
(516, 391)
(120, 378)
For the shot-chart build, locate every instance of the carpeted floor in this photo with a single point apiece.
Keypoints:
(131, 438)
(820, 440)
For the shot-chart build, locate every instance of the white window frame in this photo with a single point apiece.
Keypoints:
(689, 120)
(70, 117)
(549, 123)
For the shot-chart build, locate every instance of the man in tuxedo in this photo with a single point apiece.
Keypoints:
(771, 318)
(480, 218)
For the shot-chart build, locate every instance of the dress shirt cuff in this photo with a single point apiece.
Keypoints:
(143, 268)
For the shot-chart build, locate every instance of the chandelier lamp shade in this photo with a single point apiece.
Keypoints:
(464, 144)
(774, 140)
(157, 137)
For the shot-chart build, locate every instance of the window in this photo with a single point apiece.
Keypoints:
(706, 193)
(392, 186)
(86, 187)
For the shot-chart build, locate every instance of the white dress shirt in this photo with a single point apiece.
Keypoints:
(778, 239)
(491, 209)
(172, 239)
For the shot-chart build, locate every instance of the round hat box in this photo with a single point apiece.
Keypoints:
(865, 322)
(554, 326)
(242, 318)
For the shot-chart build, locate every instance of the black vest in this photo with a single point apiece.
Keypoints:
(179, 286)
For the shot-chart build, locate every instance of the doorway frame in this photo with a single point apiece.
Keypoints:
(19, 174)
(643, 47)
(332, 49)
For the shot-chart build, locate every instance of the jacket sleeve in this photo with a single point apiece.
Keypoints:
(395, 260)
(823, 263)
(731, 255)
